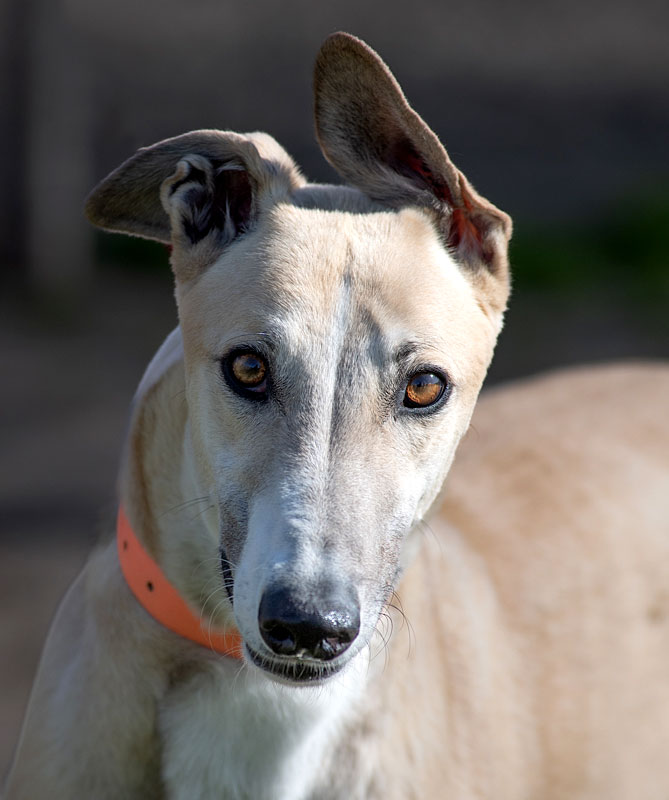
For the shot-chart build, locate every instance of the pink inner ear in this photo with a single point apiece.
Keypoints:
(408, 162)
(463, 234)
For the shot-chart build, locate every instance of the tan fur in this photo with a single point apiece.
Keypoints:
(523, 653)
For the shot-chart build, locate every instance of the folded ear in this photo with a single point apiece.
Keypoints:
(377, 142)
(198, 192)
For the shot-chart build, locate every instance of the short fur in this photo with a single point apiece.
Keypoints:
(513, 646)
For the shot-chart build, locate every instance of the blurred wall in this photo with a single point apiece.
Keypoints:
(550, 108)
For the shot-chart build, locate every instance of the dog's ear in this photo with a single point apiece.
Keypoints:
(197, 192)
(377, 142)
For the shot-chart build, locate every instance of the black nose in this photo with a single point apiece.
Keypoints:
(321, 627)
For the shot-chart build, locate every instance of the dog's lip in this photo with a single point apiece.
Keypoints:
(228, 578)
(295, 672)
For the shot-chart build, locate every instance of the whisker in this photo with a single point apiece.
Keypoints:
(185, 504)
(204, 511)
(426, 529)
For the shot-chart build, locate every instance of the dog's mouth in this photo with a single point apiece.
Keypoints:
(228, 579)
(295, 671)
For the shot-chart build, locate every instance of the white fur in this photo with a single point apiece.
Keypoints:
(232, 734)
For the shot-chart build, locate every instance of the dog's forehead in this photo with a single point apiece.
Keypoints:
(301, 269)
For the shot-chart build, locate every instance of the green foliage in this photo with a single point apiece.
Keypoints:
(624, 252)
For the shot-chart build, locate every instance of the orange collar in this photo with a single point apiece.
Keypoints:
(153, 591)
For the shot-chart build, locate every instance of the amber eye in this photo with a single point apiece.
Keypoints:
(423, 389)
(249, 369)
(246, 373)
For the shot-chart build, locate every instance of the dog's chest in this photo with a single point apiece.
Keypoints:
(230, 734)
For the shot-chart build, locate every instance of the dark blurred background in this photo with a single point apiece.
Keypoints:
(558, 113)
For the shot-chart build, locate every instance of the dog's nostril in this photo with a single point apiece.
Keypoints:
(289, 629)
(279, 638)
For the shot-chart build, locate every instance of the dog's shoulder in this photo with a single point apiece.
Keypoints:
(563, 477)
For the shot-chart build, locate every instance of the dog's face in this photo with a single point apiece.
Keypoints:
(335, 342)
(333, 361)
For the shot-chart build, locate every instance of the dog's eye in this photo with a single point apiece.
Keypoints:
(249, 369)
(246, 373)
(423, 389)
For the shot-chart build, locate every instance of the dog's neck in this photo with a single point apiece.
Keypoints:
(156, 594)
(172, 516)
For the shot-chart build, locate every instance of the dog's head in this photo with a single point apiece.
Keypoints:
(335, 342)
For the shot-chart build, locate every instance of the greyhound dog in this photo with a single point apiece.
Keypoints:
(285, 612)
